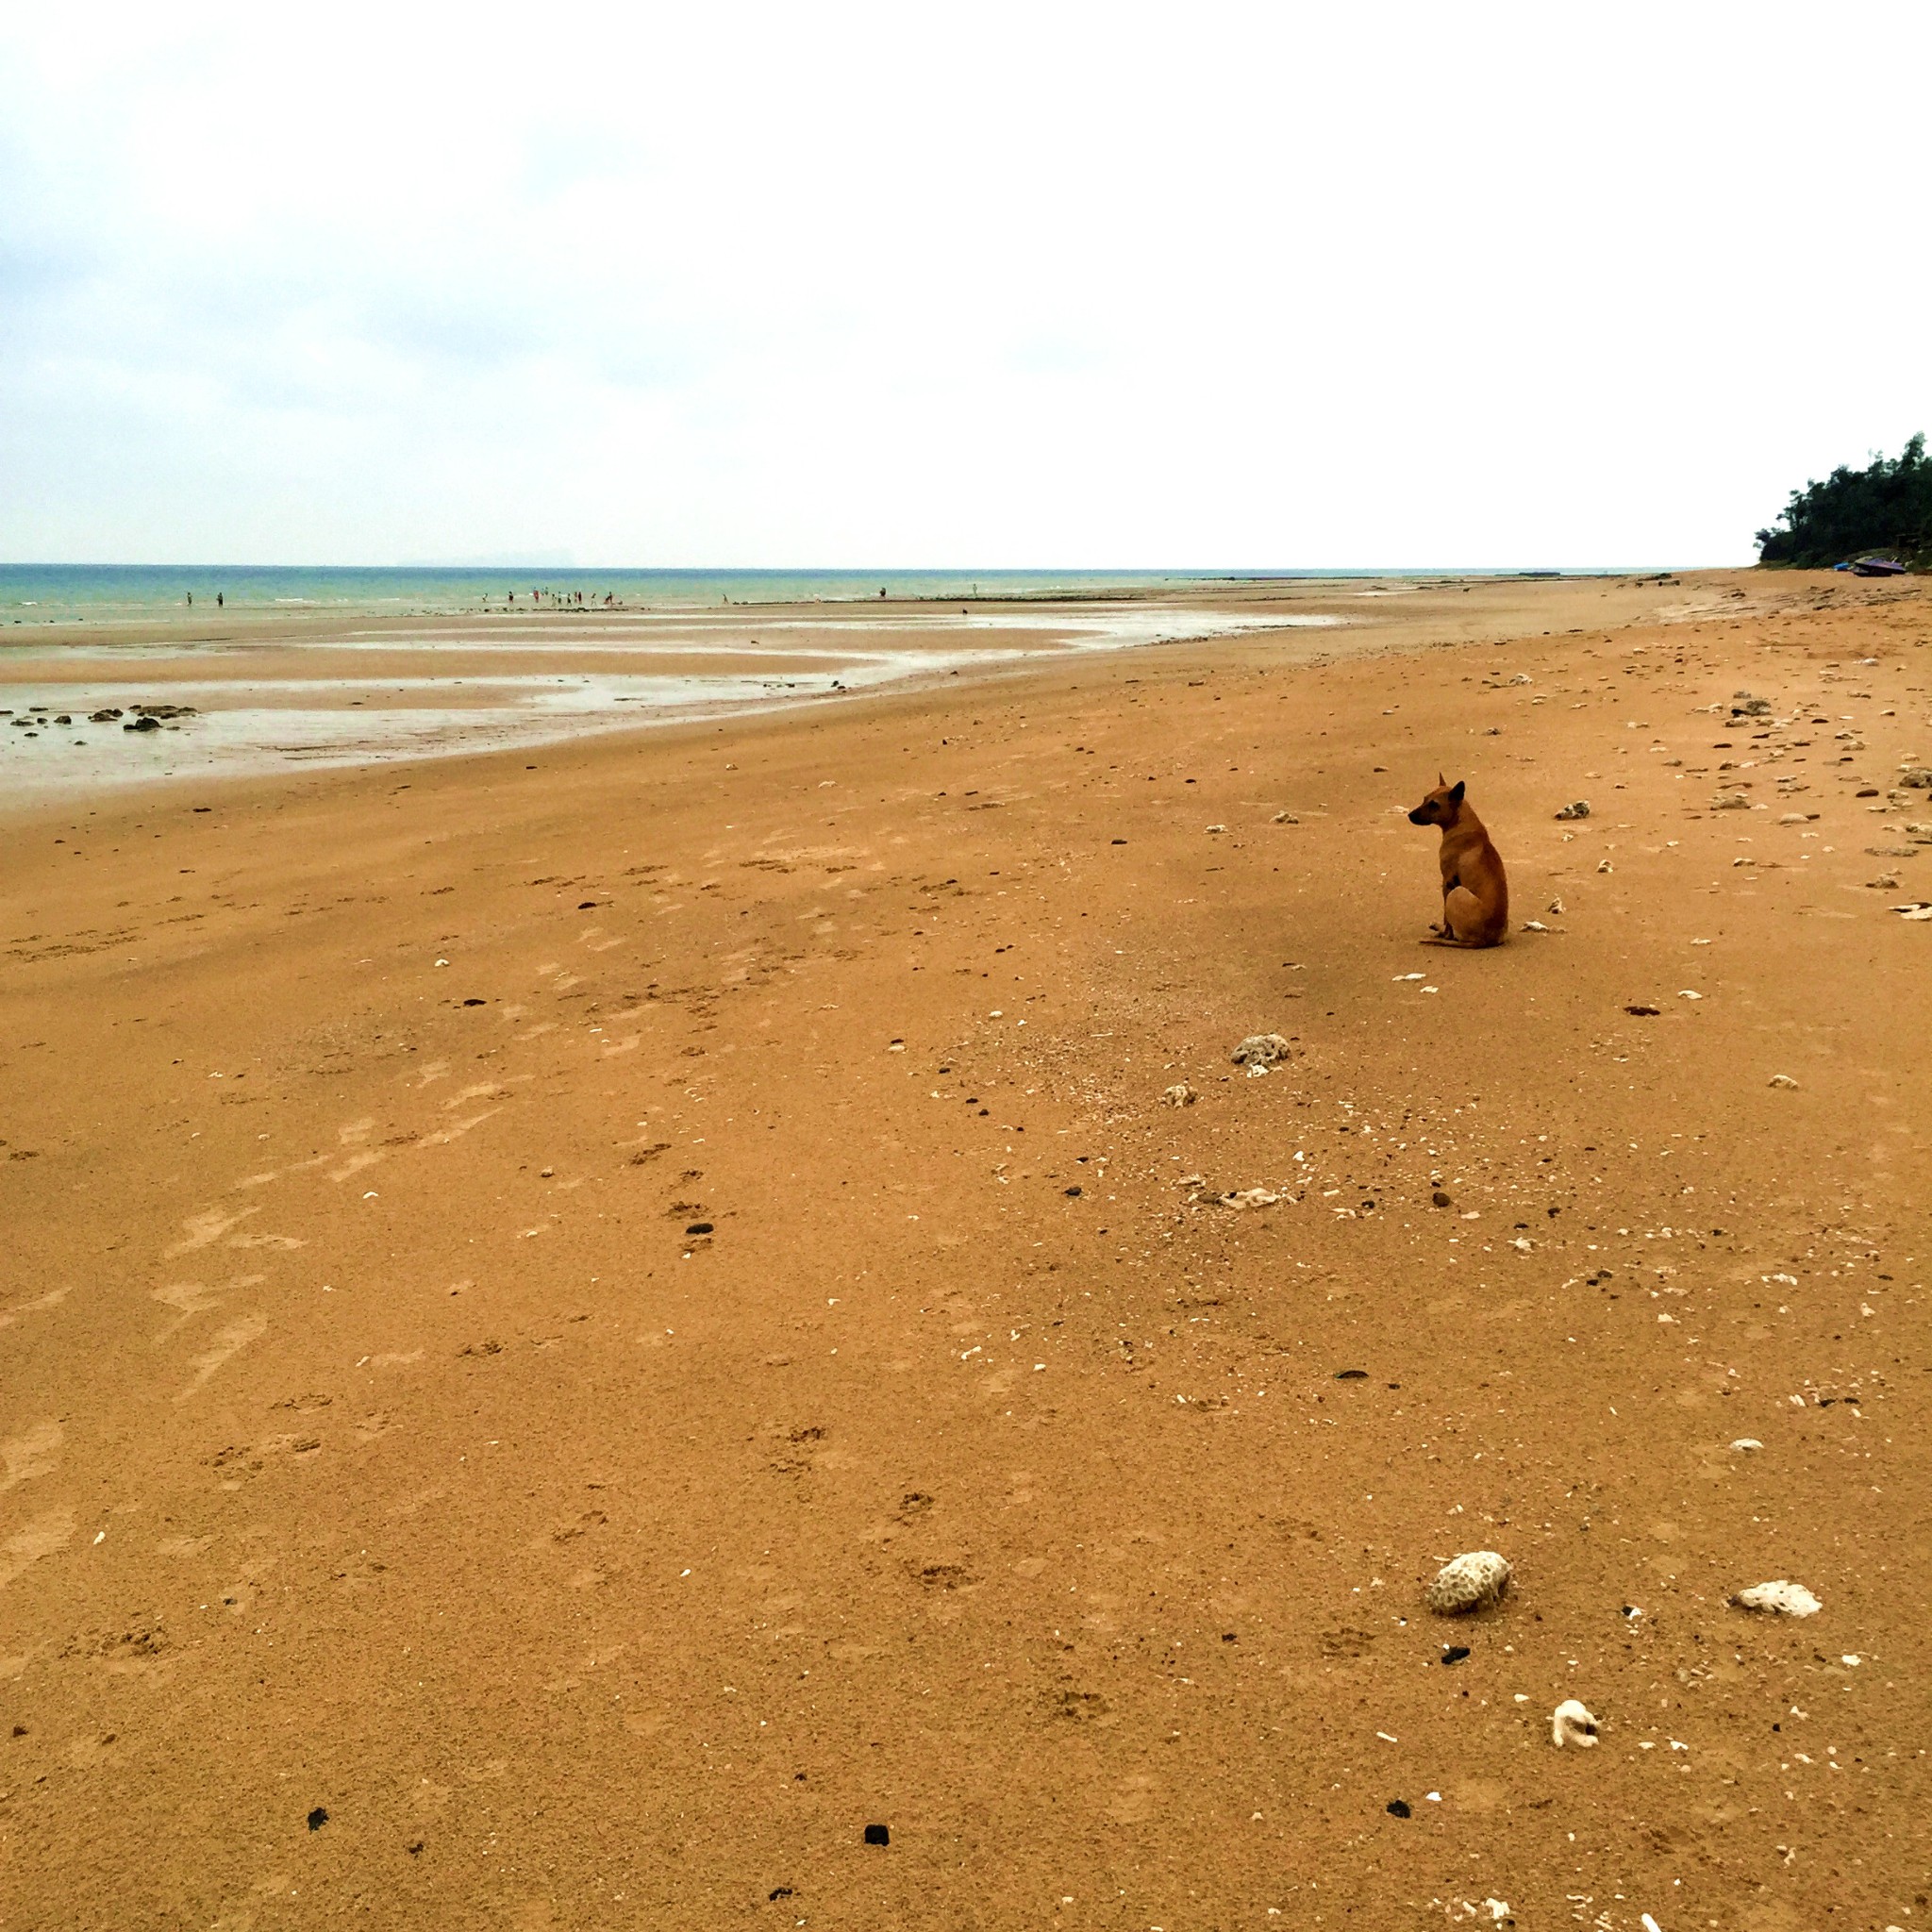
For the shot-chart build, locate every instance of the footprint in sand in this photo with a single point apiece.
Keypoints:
(456, 1129)
(41, 1538)
(228, 1342)
(204, 1229)
(483, 1090)
(33, 1453)
(52, 1299)
(191, 1298)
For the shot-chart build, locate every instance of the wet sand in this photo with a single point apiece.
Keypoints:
(263, 691)
(269, 691)
(585, 1325)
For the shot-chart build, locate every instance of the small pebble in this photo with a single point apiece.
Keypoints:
(1782, 1080)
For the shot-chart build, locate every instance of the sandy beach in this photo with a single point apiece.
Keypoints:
(589, 1320)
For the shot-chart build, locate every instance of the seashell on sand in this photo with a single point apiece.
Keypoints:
(1573, 1724)
(1779, 1599)
(1472, 1581)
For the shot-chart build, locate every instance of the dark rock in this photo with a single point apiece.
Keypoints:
(1454, 1653)
(877, 1835)
(317, 1819)
(1439, 1198)
(699, 1227)
(1351, 1374)
(1645, 1012)
(1398, 1809)
(1072, 1193)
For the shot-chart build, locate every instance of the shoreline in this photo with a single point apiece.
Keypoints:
(314, 690)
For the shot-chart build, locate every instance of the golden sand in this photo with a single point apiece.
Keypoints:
(574, 1336)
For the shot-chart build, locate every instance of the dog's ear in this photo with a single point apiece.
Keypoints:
(1455, 792)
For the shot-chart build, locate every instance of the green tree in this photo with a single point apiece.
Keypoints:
(1885, 508)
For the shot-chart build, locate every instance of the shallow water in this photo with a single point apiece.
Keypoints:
(269, 702)
(41, 593)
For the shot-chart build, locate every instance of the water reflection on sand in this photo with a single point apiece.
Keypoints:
(360, 693)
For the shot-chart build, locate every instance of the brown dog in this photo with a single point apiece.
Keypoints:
(1475, 892)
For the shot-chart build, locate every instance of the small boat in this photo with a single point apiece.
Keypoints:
(1876, 567)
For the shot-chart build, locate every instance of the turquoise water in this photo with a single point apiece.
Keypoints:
(58, 592)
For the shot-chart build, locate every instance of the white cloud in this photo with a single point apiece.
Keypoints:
(1051, 285)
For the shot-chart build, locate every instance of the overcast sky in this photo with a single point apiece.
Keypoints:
(1109, 286)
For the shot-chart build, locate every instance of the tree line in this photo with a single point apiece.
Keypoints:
(1885, 509)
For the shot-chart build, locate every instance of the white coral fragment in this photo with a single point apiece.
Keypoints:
(1261, 1050)
(1471, 1581)
(1779, 1599)
(1572, 1723)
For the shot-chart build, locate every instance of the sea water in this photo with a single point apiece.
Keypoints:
(54, 592)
